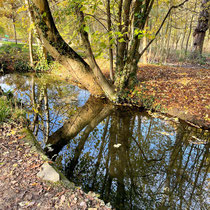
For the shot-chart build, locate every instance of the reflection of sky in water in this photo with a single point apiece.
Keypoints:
(6, 87)
(82, 97)
(165, 142)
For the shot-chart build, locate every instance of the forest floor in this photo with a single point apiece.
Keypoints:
(182, 92)
(20, 188)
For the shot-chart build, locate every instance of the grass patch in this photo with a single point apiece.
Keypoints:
(11, 45)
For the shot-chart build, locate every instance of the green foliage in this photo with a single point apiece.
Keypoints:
(11, 108)
(147, 101)
(5, 109)
(42, 64)
(22, 66)
(14, 56)
(2, 30)
(10, 48)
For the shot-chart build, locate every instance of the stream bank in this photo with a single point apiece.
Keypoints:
(20, 161)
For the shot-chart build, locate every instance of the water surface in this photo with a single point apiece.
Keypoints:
(131, 159)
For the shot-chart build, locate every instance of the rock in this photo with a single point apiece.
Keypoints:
(48, 173)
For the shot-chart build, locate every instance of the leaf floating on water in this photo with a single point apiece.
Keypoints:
(117, 145)
(164, 133)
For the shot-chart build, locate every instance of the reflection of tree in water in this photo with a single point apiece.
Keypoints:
(51, 104)
(47, 100)
(134, 161)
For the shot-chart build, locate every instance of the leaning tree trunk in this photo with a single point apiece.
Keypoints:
(200, 30)
(92, 80)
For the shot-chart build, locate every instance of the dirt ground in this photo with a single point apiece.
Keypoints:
(20, 188)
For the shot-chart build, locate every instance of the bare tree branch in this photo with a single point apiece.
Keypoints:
(158, 31)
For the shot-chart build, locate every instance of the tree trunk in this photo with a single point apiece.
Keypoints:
(15, 33)
(92, 80)
(191, 23)
(200, 30)
(109, 23)
(144, 44)
(30, 37)
(145, 56)
(30, 44)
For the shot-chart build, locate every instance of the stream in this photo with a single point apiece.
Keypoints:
(131, 159)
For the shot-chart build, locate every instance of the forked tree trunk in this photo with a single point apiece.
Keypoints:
(200, 30)
(95, 82)
(90, 76)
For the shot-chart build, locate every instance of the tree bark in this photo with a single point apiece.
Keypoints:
(15, 33)
(109, 23)
(190, 29)
(30, 37)
(95, 82)
(200, 30)
(30, 44)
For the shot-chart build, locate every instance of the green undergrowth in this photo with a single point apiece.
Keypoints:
(14, 58)
(11, 109)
